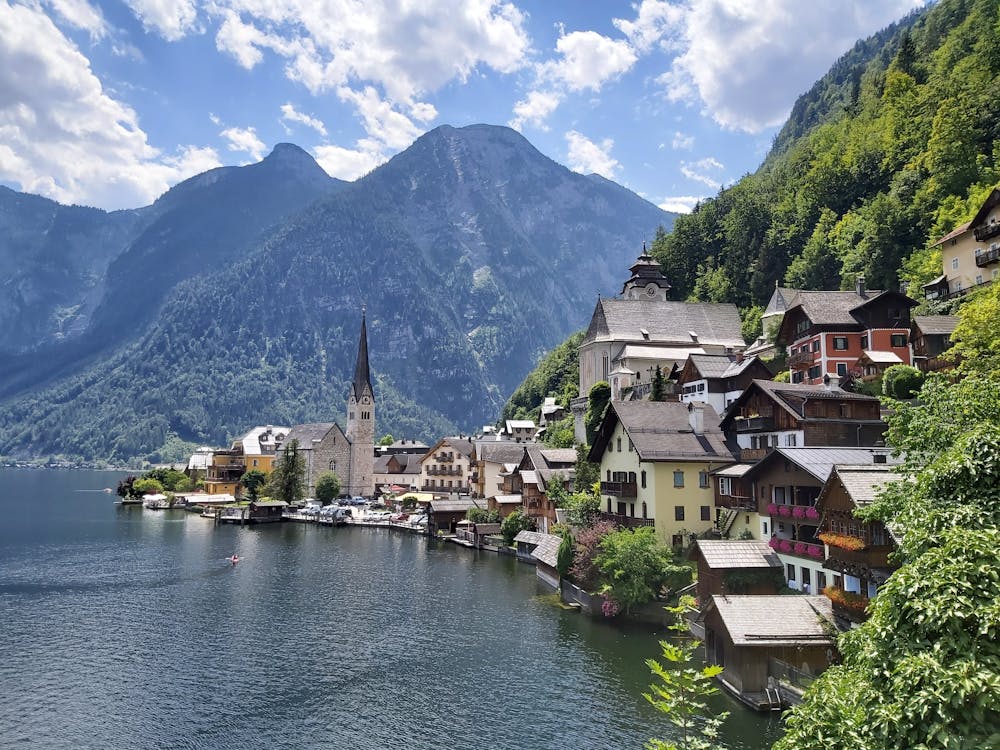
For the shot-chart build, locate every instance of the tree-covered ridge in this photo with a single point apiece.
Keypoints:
(905, 160)
(558, 375)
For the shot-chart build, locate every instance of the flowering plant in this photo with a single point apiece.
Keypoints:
(843, 541)
(800, 548)
(610, 607)
(799, 512)
(785, 546)
(784, 510)
(773, 543)
(772, 509)
(847, 599)
(812, 513)
(815, 551)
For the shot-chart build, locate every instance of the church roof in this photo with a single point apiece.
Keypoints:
(658, 322)
(308, 434)
(362, 377)
(646, 271)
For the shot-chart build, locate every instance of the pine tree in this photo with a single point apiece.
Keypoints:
(657, 391)
(287, 479)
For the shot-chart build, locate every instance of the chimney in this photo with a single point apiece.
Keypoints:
(696, 418)
(859, 285)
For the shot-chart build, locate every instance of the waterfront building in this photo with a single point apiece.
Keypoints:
(448, 466)
(656, 459)
(735, 566)
(398, 469)
(826, 332)
(444, 514)
(735, 506)
(257, 449)
(324, 447)
(491, 455)
(360, 479)
(532, 478)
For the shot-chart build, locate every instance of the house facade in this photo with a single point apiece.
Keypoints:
(324, 447)
(656, 459)
(398, 469)
(448, 466)
(931, 338)
(257, 449)
(532, 478)
(827, 332)
(730, 566)
(491, 456)
(719, 380)
(970, 254)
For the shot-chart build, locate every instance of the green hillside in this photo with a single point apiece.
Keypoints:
(894, 147)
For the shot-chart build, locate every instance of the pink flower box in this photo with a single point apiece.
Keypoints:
(799, 512)
(784, 510)
(773, 543)
(800, 548)
(785, 546)
(772, 509)
(815, 551)
(812, 513)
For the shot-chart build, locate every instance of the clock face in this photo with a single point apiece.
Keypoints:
(650, 290)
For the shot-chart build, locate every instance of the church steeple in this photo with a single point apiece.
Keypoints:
(647, 281)
(362, 377)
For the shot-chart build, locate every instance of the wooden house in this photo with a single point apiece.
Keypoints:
(930, 336)
(718, 380)
(730, 566)
(760, 640)
(443, 515)
(546, 556)
(858, 552)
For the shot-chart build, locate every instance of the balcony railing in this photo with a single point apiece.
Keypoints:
(619, 489)
(800, 360)
(754, 424)
(753, 454)
(799, 513)
(871, 557)
(736, 502)
(807, 550)
(990, 256)
(627, 522)
(986, 231)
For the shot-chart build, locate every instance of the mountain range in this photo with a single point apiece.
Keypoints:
(235, 299)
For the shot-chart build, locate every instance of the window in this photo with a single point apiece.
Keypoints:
(703, 479)
(814, 372)
(790, 441)
(642, 475)
(864, 341)
(725, 486)
(791, 572)
(619, 445)
(706, 513)
(679, 481)
(644, 509)
(631, 447)
(701, 387)
(840, 343)
(815, 345)
(764, 527)
(255, 462)
(820, 581)
(797, 377)
(806, 577)
(842, 369)
(678, 512)
(899, 339)
(954, 264)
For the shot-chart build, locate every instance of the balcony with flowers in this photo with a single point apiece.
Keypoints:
(809, 550)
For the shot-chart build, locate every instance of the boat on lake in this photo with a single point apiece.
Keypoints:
(156, 501)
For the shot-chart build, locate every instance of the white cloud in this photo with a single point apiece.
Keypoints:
(172, 19)
(63, 135)
(747, 61)
(246, 140)
(290, 114)
(381, 121)
(585, 156)
(349, 164)
(82, 15)
(681, 204)
(698, 171)
(682, 141)
(588, 60)
(654, 19)
(535, 108)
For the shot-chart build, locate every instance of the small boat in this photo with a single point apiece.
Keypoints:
(234, 559)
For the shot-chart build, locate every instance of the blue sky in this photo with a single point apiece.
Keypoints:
(108, 103)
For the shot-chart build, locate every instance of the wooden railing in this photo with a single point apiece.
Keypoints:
(627, 522)
(619, 489)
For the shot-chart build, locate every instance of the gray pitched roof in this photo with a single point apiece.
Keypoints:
(776, 620)
(530, 537)
(820, 461)
(737, 553)
(661, 431)
(307, 434)
(780, 298)
(507, 499)
(463, 445)
(500, 452)
(936, 325)
(547, 550)
(452, 506)
(719, 365)
(624, 320)
(555, 456)
(789, 396)
(862, 483)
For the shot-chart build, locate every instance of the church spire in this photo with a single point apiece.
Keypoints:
(362, 377)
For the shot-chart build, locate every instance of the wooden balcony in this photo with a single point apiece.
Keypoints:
(801, 360)
(753, 454)
(620, 489)
(627, 522)
(736, 502)
(754, 424)
(988, 257)
(986, 231)
(844, 560)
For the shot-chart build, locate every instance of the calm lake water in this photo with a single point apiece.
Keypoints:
(126, 628)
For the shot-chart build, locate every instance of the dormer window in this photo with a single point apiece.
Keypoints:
(645, 333)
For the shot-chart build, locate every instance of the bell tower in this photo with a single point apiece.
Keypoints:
(647, 281)
(361, 422)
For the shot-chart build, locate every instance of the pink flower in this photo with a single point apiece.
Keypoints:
(815, 551)
(800, 548)
(812, 513)
(772, 509)
(799, 512)
(784, 510)
(785, 546)
(773, 543)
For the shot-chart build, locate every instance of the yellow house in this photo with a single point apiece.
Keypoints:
(970, 254)
(255, 450)
(656, 459)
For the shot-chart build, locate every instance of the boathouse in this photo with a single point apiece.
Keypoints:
(735, 566)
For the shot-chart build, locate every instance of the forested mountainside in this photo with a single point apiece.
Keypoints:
(557, 374)
(893, 148)
(472, 251)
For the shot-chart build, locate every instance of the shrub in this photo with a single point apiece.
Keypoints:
(902, 381)
(513, 524)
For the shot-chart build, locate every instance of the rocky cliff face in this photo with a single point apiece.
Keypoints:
(473, 253)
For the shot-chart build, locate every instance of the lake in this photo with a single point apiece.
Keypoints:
(127, 628)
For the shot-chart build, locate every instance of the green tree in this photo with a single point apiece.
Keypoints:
(482, 515)
(976, 340)
(327, 487)
(635, 564)
(147, 486)
(253, 480)
(597, 402)
(564, 558)
(387, 439)
(681, 690)
(287, 480)
(750, 322)
(513, 524)
(560, 434)
(657, 391)
(901, 381)
(586, 473)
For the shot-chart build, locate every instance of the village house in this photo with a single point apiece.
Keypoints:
(769, 646)
(787, 483)
(970, 254)
(551, 411)
(656, 459)
(444, 514)
(532, 477)
(398, 470)
(827, 332)
(257, 449)
(734, 566)
(628, 338)
(719, 380)
(448, 466)
(930, 337)
(491, 456)
(736, 512)
(857, 552)
(769, 415)
(519, 430)
(770, 321)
